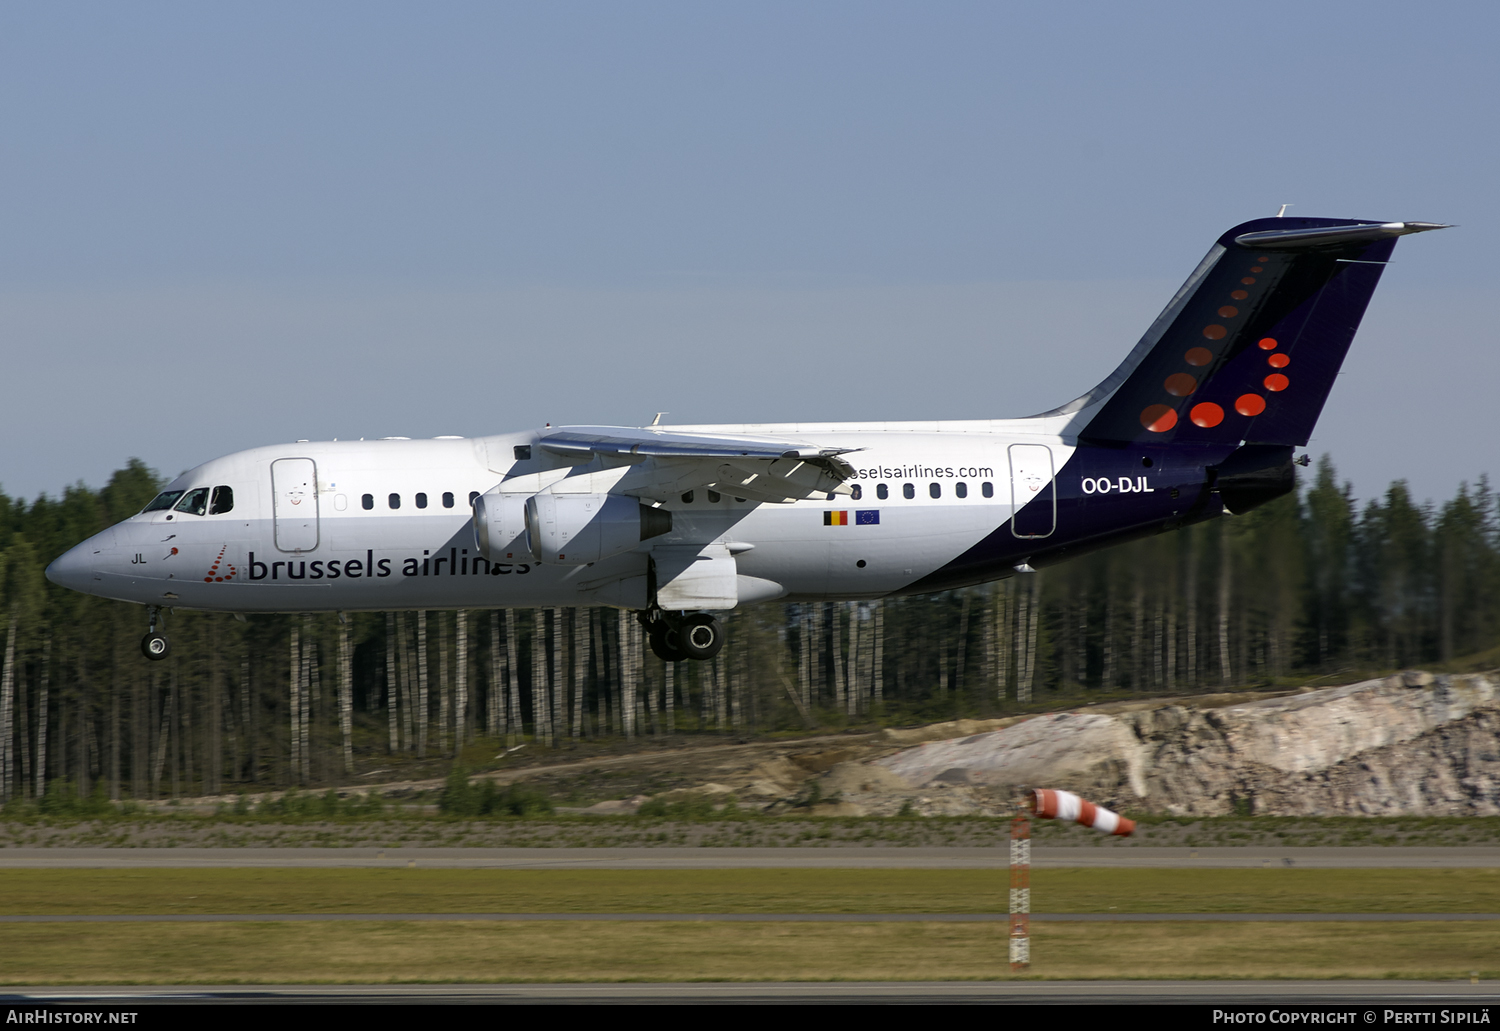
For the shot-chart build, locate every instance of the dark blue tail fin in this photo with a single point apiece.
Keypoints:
(1249, 348)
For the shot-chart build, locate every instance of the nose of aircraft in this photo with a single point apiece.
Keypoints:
(74, 568)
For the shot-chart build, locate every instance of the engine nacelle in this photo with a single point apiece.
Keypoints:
(500, 526)
(576, 529)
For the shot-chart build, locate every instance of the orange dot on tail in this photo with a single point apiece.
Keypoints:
(1207, 415)
(1248, 280)
(1240, 295)
(1278, 361)
(1276, 382)
(1256, 268)
(1215, 332)
(1198, 356)
(1158, 418)
(1229, 311)
(1264, 257)
(1180, 384)
(1267, 344)
(1250, 404)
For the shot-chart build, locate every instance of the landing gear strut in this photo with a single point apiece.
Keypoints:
(155, 646)
(675, 638)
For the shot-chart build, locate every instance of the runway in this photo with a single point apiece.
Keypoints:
(744, 858)
(1357, 996)
(746, 918)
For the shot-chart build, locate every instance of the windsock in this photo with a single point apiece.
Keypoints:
(1064, 805)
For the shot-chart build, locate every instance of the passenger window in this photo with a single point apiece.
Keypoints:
(908, 491)
(687, 499)
(164, 500)
(447, 499)
(194, 501)
(473, 497)
(523, 452)
(367, 502)
(961, 489)
(988, 489)
(935, 490)
(394, 500)
(882, 491)
(223, 501)
(713, 497)
(421, 500)
(856, 492)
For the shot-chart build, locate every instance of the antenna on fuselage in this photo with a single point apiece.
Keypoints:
(657, 421)
(1282, 212)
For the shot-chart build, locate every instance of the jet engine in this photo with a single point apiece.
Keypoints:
(576, 529)
(563, 529)
(500, 526)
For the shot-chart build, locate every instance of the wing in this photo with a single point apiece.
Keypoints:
(656, 464)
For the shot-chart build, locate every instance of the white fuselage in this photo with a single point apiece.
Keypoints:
(366, 541)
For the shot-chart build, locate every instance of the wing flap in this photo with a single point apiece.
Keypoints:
(664, 464)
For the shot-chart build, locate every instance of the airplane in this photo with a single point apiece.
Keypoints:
(680, 522)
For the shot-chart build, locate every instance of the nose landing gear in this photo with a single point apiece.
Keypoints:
(155, 646)
(675, 638)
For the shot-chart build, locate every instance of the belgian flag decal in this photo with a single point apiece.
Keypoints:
(835, 518)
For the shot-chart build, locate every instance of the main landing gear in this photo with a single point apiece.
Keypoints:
(673, 638)
(155, 646)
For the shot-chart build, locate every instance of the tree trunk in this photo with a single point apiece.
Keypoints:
(1111, 673)
(294, 705)
(461, 679)
(1023, 616)
(1002, 614)
(541, 711)
(1190, 603)
(515, 727)
(669, 674)
(627, 676)
(346, 696)
(309, 670)
(582, 658)
(497, 724)
(559, 692)
(7, 693)
(445, 688)
(424, 717)
(1226, 567)
(42, 699)
(392, 686)
(839, 616)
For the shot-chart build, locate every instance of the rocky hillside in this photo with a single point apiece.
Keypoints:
(1411, 744)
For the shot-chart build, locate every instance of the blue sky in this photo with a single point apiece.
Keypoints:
(230, 225)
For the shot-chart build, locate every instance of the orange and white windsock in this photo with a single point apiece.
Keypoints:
(1064, 805)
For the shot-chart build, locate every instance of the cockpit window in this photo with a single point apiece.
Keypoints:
(223, 501)
(166, 499)
(194, 501)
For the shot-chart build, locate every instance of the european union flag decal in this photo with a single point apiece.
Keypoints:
(869, 517)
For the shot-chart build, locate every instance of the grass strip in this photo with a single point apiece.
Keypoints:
(1081, 890)
(397, 951)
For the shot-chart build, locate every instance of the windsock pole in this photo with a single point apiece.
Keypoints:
(1020, 892)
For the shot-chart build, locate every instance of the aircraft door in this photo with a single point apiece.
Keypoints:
(1033, 493)
(294, 494)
